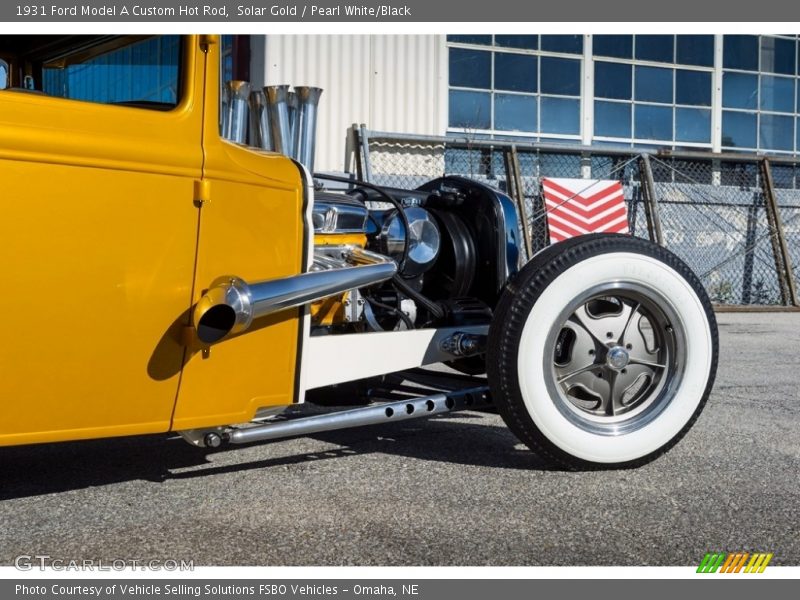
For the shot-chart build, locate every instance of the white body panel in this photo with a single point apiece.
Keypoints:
(306, 332)
(330, 359)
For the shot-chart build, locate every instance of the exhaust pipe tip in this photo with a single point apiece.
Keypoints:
(225, 309)
(215, 324)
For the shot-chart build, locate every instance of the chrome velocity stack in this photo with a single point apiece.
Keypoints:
(291, 103)
(305, 130)
(260, 135)
(278, 104)
(235, 121)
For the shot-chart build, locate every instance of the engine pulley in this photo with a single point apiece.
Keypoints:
(423, 239)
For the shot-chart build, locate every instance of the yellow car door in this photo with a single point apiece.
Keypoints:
(254, 225)
(98, 230)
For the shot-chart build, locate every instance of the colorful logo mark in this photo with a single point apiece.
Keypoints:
(734, 562)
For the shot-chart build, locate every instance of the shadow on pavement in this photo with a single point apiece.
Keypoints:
(51, 468)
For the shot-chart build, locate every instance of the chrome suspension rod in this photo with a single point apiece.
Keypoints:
(403, 410)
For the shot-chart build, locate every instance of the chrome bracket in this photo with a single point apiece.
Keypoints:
(463, 344)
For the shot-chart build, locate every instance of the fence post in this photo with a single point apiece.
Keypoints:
(366, 167)
(351, 149)
(586, 165)
(783, 260)
(511, 182)
(749, 256)
(358, 160)
(650, 201)
(517, 192)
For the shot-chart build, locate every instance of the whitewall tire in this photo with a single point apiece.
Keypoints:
(602, 351)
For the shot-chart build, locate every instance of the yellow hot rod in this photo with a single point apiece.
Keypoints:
(165, 271)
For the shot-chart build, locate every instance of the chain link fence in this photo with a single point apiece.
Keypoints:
(734, 219)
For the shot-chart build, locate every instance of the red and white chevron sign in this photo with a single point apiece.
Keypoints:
(579, 206)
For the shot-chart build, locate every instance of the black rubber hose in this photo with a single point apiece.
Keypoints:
(392, 201)
(432, 307)
(403, 316)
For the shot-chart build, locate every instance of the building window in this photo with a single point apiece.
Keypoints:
(470, 68)
(662, 96)
(516, 85)
(738, 129)
(612, 119)
(648, 90)
(515, 72)
(760, 93)
(470, 109)
(515, 112)
(740, 90)
(692, 87)
(778, 55)
(740, 52)
(652, 122)
(615, 46)
(657, 48)
(571, 44)
(653, 84)
(485, 40)
(525, 42)
(613, 80)
(695, 50)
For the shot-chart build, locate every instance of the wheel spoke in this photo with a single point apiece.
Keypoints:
(631, 315)
(579, 320)
(612, 399)
(608, 328)
(636, 343)
(576, 372)
(646, 363)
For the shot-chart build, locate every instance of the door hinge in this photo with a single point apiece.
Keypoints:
(202, 192)
(206, 41)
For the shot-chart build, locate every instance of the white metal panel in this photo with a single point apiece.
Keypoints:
(406, 84)
(389, 82)
(330, 359)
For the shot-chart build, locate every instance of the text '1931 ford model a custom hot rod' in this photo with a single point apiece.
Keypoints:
(171, 264)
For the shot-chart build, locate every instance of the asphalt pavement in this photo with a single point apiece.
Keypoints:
(453, 490)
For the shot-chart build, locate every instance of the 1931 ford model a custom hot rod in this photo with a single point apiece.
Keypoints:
(159, 277)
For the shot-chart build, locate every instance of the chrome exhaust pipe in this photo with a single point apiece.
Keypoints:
(413, 408)
(234, 124)
(305, 127)
(260, 135)
(277, 101)
(231, 304)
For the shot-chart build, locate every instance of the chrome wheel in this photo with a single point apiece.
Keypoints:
(615, 358)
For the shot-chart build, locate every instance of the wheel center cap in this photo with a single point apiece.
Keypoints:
(617, 357)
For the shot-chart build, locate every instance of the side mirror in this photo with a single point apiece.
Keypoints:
(4, 71)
